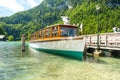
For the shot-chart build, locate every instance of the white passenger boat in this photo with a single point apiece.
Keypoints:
(59, 39)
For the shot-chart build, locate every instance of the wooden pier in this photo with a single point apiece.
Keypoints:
(106, 41)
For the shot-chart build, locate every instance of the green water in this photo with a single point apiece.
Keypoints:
(36, 65)
(29, 65)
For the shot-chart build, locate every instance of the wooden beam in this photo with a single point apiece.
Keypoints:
(59, 31)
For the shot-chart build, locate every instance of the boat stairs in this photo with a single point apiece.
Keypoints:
(109, 41)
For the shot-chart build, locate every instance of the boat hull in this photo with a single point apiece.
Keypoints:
(69, 47)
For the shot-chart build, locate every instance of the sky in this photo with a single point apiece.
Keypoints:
(10, 7)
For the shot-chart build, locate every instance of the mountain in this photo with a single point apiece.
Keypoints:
(50, 11)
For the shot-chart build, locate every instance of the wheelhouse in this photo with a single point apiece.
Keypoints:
(54, 32)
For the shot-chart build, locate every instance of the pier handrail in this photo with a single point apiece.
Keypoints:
(106, 40)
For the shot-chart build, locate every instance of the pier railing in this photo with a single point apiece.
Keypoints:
(106, 41)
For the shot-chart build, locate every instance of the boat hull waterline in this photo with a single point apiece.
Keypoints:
(68, 47)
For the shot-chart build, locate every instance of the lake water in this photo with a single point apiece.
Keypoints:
(36, 65)
(29, 65)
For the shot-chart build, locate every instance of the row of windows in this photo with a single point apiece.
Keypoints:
(54, 32)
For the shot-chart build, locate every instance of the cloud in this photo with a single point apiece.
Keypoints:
(32, 3)
(12, 5)
(9, 7)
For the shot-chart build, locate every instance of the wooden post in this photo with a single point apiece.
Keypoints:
(59, 31)
(23, 43)
(90, 40)
(106, 40)
(96, 54)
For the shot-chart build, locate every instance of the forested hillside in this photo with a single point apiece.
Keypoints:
(50, 12)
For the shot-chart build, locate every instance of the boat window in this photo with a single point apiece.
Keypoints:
(40, 34)
(67, 32)
(43, 35)
(37, 35)
(47, 32)
(55, 31)
(34, 36)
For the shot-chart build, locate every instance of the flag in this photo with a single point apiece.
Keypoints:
(81, 27)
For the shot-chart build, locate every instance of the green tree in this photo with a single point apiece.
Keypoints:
(50, 11)
(10, 38)
(2, 31)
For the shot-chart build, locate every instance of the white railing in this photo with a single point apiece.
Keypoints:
(107, 40)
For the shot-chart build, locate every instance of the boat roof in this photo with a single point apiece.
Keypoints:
(67, 25)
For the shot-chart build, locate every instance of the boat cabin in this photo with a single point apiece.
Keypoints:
(54, 32)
